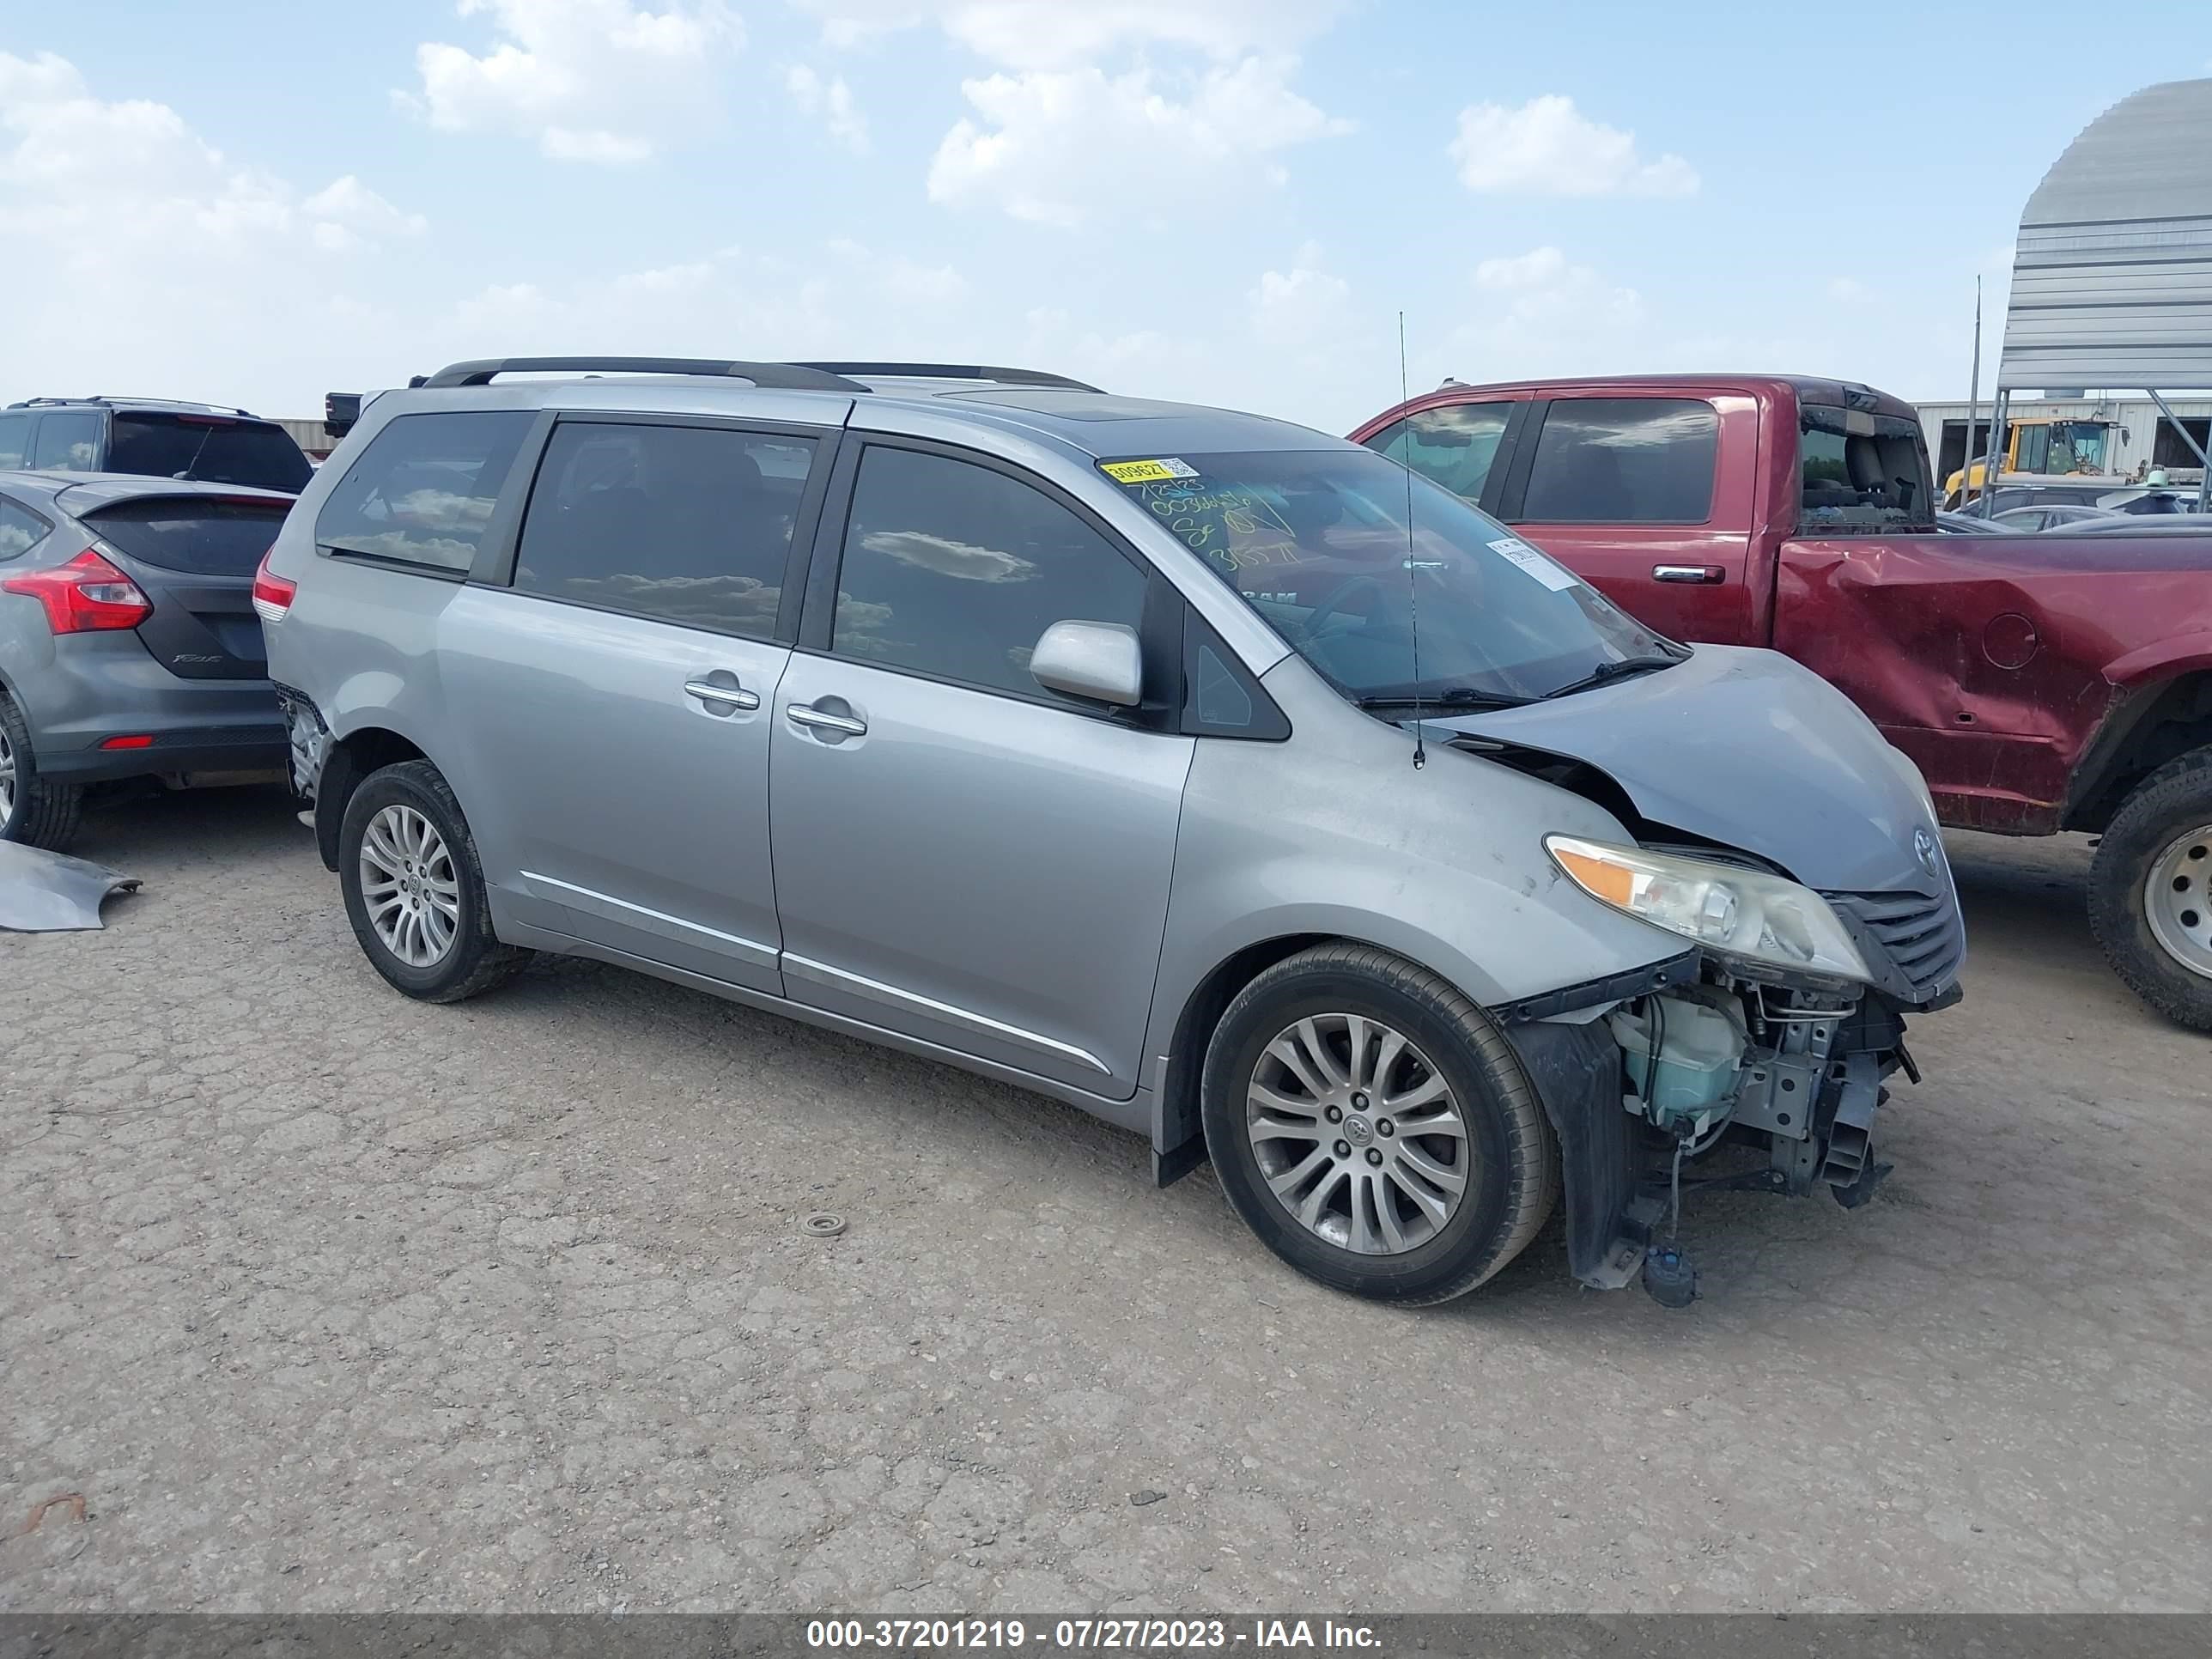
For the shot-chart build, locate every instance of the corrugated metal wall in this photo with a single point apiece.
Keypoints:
(2112, 279)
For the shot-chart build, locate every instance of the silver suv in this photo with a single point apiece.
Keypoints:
(1215, 775)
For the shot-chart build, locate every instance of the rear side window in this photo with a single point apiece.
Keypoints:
(1624, 460)
(20, 530)
(14, 441)
(689, 524)
(192, 535)
(1453, 446)
(255, 453)
(1859, 472)
(954, 570)
(423, 490)
(67, 441)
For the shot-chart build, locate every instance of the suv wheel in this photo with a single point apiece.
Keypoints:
(2150, 890)
(1374, 1127)
(413, 890)
(33, 812)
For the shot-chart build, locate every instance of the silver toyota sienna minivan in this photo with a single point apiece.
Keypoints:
(1215, 775)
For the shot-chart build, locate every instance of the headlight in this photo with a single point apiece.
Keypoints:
(1741, 913)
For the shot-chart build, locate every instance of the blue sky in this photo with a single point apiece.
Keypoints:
(1226, 200)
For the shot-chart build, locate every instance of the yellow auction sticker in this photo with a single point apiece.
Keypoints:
(1160, 472)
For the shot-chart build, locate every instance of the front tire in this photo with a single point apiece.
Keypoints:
(2150, 890)
(413, 889)
(33, 810)
(1375, 1128)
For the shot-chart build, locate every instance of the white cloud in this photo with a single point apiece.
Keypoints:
(598, 81)
(348, 214)
(1104, 106)
(1303, 306)
(1054, 35)
(134, 243)
(1540, 312)
(830, 99)
(1849, 291)
(1057, 148)
(1546, 148)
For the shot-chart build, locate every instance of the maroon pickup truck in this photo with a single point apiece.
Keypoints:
(2041, 683)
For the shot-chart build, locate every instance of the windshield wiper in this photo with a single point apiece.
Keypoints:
(1458, 696)
(1605, 672)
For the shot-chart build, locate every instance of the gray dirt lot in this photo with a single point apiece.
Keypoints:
(326, 1300)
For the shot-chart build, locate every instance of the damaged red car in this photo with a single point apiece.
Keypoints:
(2041, 683)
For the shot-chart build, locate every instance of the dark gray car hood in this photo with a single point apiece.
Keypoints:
(1747, 748)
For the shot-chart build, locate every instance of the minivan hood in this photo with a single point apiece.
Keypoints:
(1749, 750)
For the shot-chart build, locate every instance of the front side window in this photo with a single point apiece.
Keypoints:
(67, 441)
(423, 490)
(689, 524)
(14, 441)
(954, 570)
(20, 530)
(1624, 460)
(1317, 542)
(1453, 446)
(214, 448)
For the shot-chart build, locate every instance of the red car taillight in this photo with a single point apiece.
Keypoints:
(84, 596)
(272, 595)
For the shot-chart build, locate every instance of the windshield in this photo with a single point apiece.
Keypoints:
(1316, 541)
(212, 449)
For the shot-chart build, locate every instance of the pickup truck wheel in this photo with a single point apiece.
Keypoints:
(2150, 890)
(1374, 1127)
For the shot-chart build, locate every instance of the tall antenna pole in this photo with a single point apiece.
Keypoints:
(1973, 407)
(1413, 595)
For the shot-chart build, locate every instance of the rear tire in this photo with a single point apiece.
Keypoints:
(2161, 942)
(1390, 1034)
(34, 812)
(416, 900)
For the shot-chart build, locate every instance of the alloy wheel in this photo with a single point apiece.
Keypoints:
(409, 886)
(7, 779)
(1357, 1134)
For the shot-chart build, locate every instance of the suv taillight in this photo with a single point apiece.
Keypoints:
(272, 595)
(84, 596)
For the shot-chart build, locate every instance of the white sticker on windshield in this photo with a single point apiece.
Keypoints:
(1557, 577)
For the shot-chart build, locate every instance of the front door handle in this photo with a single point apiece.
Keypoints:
(822, 720)
(1705, 574)
(709, 691)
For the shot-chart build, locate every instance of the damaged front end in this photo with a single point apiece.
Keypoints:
(1734, 1068)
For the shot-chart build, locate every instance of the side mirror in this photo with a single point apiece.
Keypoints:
(1099, 662)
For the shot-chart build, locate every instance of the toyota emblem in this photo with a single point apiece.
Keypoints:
(1925, 850)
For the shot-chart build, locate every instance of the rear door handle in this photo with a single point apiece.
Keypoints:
(822, 720)
(1704, 574)
(709, 691)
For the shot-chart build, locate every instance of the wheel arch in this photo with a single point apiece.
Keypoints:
(2153, 724)
(368, 748)
(1178, 1134)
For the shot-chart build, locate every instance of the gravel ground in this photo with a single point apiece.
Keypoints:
(326, 1300)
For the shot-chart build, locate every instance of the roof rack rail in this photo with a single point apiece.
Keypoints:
(113, 397)
(780, 377)
(956, 371)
